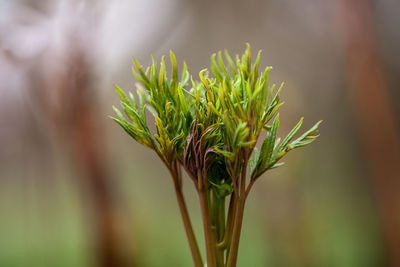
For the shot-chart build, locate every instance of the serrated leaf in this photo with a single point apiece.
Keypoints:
(253, 160)
(174, 76)
(267, 148)
(185, 76)
(214, 69)
(290, 136)
(276, 165)
(307, 138)
(231, 64)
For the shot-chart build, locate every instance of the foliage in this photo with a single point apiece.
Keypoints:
(211, 128)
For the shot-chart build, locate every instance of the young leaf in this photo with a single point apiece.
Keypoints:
(290, 136)
(266, 155)
(253, 160)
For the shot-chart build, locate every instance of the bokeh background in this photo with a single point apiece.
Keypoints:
(75, 190)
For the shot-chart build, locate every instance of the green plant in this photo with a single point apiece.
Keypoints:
(211, 128)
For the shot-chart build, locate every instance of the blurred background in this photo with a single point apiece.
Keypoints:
(75, 190)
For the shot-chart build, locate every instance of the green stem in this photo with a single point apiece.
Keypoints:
(208, 235)
(230, 222)
(221, 218)
(237, 228)
(219, 222)
(240, 199)
(231, 212)
(194, 248)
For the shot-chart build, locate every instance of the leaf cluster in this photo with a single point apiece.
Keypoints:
(211, 126)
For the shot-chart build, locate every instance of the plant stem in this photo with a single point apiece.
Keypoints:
(194, 247)
(219, 223)
(237, 228)
(231, 218)
(208, 235)
(240, 199)
(221, 219)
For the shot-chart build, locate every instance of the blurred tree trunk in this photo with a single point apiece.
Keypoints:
(62, 87)
(374, 110)
(73, 118)
(89, 152)
(63, 90)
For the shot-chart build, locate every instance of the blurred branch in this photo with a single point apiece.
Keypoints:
(62, 88)
(87, 141)
(374, 111)
(67, 102)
